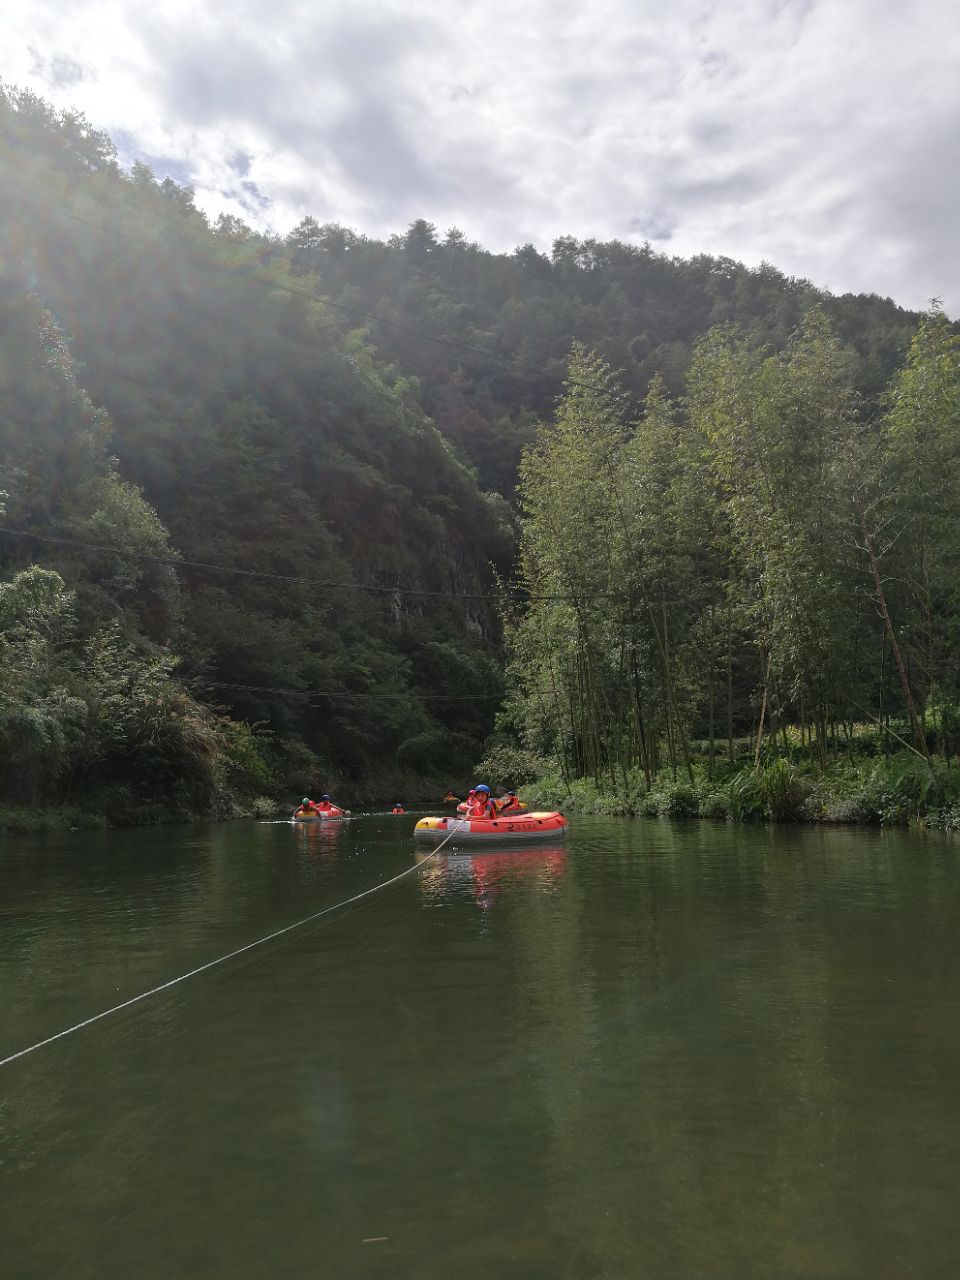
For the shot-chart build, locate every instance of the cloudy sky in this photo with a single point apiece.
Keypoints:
(820, 135)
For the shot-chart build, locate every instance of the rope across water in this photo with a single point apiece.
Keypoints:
(230, 955)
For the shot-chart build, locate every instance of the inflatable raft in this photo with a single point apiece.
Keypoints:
(518, 828)
(333, 815)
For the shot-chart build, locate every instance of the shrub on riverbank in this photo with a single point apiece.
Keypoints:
(898, 791)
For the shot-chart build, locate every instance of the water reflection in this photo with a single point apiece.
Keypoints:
(484, 875)
(320, 837)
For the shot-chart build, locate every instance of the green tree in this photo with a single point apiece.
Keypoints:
(776, 431)
(921, 482)
(42, 721)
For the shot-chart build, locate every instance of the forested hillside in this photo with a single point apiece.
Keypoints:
(139, 344)
(259, 491)
(488, 335)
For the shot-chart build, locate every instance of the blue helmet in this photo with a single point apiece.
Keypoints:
(483, 787)
(324, 797)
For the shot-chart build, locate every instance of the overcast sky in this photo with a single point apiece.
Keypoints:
(820, 135)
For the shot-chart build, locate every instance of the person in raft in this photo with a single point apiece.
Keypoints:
(482, 804)
(331, 810)
(307, 808)
(464, 805)
(509, 802)
(450, 798)
(398, 808)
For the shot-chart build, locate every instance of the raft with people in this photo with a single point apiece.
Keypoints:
(520, 826)
(508, 802)
(486, 819)
(321, 810)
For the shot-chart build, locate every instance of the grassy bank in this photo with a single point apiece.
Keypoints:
(900, 790)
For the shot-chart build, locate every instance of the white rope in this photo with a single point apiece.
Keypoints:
(277, 933)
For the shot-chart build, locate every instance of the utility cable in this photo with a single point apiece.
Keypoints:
(239, 951)
(310, 694)
(176, 562)
(179, 562)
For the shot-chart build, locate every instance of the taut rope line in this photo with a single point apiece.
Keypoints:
(277, 933)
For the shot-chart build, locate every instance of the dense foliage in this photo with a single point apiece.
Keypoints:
(165, 395)
(201, 424)
(488, 335)
(757, 557)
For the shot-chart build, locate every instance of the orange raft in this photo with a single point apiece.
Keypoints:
(512, 827)
(328, 815)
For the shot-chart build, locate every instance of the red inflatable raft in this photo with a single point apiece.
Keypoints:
(326, 815)
(512, 827)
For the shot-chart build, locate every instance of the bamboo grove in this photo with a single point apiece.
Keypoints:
(766, 558)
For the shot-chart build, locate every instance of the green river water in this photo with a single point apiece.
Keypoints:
(665, 1051)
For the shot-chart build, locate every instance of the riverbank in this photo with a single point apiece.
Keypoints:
(900, 790)
(22, 820)
(117, 808)
(19, 820)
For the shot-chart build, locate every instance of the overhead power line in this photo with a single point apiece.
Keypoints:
(179, 562)
(310, 695)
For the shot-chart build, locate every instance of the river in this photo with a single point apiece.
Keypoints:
(665, 1051)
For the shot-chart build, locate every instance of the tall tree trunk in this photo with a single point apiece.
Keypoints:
(892, 635)
(729, 686)
(763, 710)
(712, 694)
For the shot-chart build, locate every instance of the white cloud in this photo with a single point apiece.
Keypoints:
(824, 138)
